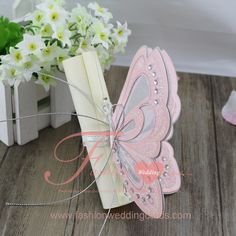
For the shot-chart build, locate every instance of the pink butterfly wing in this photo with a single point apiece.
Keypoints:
(170, 175)
(145, 123)
(172, 181)
(174, 104)
(147, 66)
(146, 192)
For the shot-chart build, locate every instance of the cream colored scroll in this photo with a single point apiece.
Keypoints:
(85, 73)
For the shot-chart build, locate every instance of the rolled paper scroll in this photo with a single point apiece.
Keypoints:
(85, 73)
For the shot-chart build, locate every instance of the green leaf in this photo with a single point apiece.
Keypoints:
(11, 34)
(3, 37)
(4, 21)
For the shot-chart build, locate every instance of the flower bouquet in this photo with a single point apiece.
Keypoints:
(33, 49)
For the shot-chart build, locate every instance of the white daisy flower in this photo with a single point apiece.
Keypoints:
(37, 17)
(84, 46)
(46, 31)
(63, 35)
(56, 16)
(31, 44)
(29, 67)
(45, 80)
(82, 18)
(15, 57)
(12, 75)
(78, 14)
(49, 53)
(100, 11)
(121, 33)
(101, 35)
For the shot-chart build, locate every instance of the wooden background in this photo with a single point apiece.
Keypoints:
(205, 151)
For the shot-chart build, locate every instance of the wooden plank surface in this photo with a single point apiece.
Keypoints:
(21, 180)
(195, 152)
(226, 147)
(195, 210)
(3, 151)
(194, 145)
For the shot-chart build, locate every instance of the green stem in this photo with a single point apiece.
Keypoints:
(33, 26)
(31, 30)
(71, 27)
(75, 36)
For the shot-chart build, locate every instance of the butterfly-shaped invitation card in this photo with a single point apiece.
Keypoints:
(136, 151)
